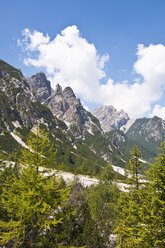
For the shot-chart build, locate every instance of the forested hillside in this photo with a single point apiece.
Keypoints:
(39, 209)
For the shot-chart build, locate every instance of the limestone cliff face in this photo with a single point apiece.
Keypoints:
(40, 85)
(148, 129)
(25, 103)
(65, 105)
(110, 119)
(21, 111)
(18, 103)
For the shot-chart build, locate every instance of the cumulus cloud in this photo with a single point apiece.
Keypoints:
(70, 60)
(158, 111)
(33, 41)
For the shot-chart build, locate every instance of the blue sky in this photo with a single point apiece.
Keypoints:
(115, 28)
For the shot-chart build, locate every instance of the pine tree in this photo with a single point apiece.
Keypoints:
(155, 211)
(129, 206)
(33, 200)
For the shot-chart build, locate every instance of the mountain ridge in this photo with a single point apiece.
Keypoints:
(80, 141)
(110, 118)
(21, 111)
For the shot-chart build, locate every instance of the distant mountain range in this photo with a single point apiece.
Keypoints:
(147, 133)
(85, 141)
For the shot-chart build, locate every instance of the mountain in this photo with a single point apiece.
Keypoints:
(19, 109)
(146, 133)
(65, 105)
(81, 146)
(110, 119)
(124, 132)
(84, 126)
(148, 129)
(40, 85)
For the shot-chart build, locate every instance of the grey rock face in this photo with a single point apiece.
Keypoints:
(110, 119)
(65, 105)
(148, 129)
(40, 85)
(17, 102)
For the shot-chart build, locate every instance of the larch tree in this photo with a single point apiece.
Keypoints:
(155, 211)
(33, 199)
(129, 223)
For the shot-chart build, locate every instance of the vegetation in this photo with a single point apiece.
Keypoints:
(129, 223)
(32, 202)
(13, 72)
(141, 212)
(38, 209)
(8, 143)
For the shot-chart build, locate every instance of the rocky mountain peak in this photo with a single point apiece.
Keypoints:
(68, 93)
(40, 85)
(110, 118)
(149, 129)
(58, 89)
(18, 106)
(65, 105)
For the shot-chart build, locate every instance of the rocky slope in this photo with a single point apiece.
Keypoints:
(64, 105)
(124, 133)
(40, 86)
(110, 119)
(148, 129)
(84, 152)
(146, 133)
(16, 99)
(81, 144)
(19, 109)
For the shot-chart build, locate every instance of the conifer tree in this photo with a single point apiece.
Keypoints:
(33, 200)
(102, 200)
(155, 210)
(129, 219)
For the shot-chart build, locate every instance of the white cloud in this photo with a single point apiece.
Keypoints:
(151, 63)
(70, 59)
(158, 111)
(33, 41)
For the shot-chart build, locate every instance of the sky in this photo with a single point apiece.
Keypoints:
(110, 52)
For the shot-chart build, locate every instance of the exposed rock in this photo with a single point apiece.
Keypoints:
(110, 118)
(148, 129)
(65, 105)
(17, 102)
(20, 112)
(126, 127)
(40, 85)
